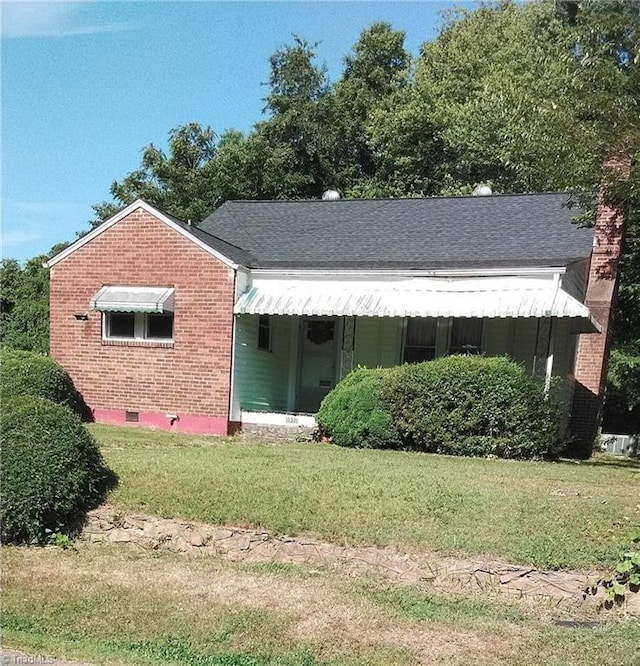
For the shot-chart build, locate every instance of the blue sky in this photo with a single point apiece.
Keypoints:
(86, 85)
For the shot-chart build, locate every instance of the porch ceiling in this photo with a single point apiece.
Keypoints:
(415, 297)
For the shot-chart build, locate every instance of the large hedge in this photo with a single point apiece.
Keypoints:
(459, 405)
(52, 470)
(353, 415)
(29, 373)
(472, 405)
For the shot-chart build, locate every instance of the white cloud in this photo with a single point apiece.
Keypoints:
(30, 228)
(50, 19)
(14, 238)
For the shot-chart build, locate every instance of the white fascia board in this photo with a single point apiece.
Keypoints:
(139, 203)
(275, 273)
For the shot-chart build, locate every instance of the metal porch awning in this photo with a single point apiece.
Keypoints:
(414, 297)
(133, 299)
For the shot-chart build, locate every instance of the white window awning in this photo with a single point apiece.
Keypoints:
(133, 299)
(413, 297)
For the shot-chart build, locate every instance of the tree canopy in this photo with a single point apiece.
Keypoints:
(523, 96)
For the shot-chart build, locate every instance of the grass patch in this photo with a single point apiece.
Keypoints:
(456, 610)
(552, 515)
(112, 604)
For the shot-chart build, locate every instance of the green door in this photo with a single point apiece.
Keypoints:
(317, 362)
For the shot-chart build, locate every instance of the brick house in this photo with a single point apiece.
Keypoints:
(252, 317)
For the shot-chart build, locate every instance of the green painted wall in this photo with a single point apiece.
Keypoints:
(265, 381)
(378, 341)
(261, 377)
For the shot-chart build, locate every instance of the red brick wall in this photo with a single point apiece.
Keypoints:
(593, 348)
(189, 377)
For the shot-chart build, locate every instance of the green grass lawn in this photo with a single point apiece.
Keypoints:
(554, 515)
(118, 605)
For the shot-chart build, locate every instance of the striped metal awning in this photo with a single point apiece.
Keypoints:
(133, 299)
(414, 297)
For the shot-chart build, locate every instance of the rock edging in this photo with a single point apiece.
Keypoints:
(106, 524)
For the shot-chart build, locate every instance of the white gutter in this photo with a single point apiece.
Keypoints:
(373, 273)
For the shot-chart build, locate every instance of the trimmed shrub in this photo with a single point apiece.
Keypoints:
(352, 414)
(52, 470)
(471, 405)
(28, 373)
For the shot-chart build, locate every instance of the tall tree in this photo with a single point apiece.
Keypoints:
(300, 128)
(498, 88)
(178, 182)
(377, 69)
(24, 307)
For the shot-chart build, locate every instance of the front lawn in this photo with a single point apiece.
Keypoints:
(553, 515)
(117, 604)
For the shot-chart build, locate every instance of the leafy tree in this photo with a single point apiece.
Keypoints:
(24, 317)
(300, 129)
(178, 182)
(497, 87)
(376, 70)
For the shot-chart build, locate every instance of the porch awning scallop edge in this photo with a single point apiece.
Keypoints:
(133, 299)
(415, 297)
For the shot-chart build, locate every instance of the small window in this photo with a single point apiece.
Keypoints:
(121, 325)
(264, 333)
(420, 343)
(466, 336)
(160, 326)
(138, 326)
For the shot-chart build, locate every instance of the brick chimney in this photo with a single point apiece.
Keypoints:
(592, 355)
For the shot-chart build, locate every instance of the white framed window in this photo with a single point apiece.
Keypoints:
(137, 326)
(428, 337)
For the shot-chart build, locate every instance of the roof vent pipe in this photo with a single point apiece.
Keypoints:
(330, 195)
(482, 190)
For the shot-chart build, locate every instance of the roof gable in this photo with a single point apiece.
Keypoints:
(200, 238)
(426, 233)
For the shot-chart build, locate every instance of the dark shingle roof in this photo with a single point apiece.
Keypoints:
(444, 232)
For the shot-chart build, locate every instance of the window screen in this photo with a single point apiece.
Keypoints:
(420, 343)
(466, 336)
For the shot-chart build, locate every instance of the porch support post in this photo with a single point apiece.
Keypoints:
(348, 345)
(549, 367)
(234, 402)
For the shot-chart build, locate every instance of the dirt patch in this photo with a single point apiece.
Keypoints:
(307, 610)
(429, 570)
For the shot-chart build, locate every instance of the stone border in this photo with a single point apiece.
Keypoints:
(105, 524)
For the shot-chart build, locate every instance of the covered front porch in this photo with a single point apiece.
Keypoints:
(295, 340)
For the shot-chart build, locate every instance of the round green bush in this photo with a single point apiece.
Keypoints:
(471, 405)
(52, 470)
(352, 414)
(29, 373)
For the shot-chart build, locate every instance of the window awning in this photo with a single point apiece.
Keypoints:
(414, 297)
(133, 299)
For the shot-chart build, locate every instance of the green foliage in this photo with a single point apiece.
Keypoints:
(626, 578)
(353, 414)
(178, 182)
(27, 373)
(458, 405)
(624, 373)
(52, 470)
(622, 413)
(472, 405)
(24, 307)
